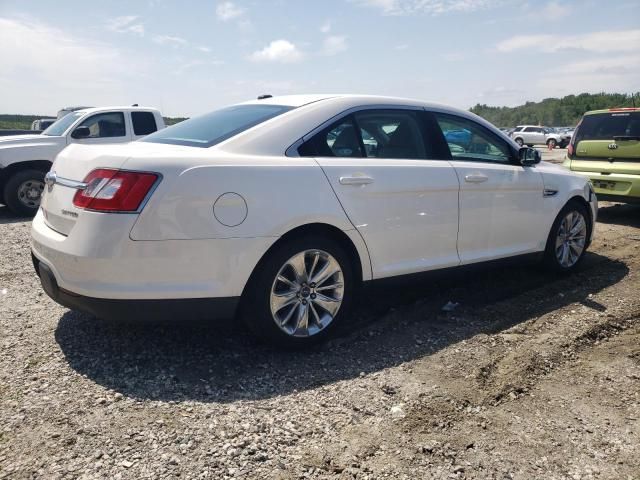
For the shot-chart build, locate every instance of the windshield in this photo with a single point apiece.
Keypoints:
(212, 128)
(60, 126)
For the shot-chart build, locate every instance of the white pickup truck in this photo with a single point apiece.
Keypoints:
(25, 159)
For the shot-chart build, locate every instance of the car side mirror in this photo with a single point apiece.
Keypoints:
(81, 132)
(529, 156)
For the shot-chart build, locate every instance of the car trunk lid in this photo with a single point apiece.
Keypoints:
(70, 168)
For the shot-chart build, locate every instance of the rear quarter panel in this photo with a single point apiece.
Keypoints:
(280, 194)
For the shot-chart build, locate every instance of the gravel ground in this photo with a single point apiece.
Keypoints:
(532, 376)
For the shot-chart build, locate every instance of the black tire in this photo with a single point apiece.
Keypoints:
(551, 260)
(12, 196)
(519, 141)
(551, 143)
(255, 309)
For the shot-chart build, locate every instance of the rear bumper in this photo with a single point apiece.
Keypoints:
(126, 309)
(99, 260)
(627, 186)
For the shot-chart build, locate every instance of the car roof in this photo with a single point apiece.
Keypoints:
(274, 136)
(116, 107)
(355, 99)
(611, 110)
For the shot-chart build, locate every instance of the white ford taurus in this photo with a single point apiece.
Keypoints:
(280, 207)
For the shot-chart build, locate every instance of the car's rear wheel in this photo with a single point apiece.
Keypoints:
(551, 143)
(568, 239)
(23, 191)
(301, 292)
(519, 141)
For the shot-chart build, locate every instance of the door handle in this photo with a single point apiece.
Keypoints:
(475, 178)
(356, 180)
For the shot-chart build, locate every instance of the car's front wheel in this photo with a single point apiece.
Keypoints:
(301, 292)
(519, 141)
(568, 239)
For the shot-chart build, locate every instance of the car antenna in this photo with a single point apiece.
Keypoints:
(135, 105)
(265, 96)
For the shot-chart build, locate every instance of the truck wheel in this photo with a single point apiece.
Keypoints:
(23, 190)
(551, 143)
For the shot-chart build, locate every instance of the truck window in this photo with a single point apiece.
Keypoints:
(105, 125)
(144, 123)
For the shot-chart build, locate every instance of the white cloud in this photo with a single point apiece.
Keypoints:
(204, 49)
(170, 40)
(74, 70)
(334, 44)
(325, 27)
(278, 51)
(226, 11)
(126, 24)
(402, 46)
(429, 7)
(555, 11)
(611, 74)
(600, 42)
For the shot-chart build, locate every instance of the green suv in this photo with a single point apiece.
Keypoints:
(606, 148)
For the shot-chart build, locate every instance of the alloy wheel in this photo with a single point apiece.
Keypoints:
(571, 239)
(307, 293)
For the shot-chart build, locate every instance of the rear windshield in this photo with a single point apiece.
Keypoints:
(214, 127)
(606, 126)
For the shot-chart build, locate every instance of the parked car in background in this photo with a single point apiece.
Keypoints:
(279, 208)
(606, 148)
(67, 110)
(531, 135)
(42, 124)
(25, 159)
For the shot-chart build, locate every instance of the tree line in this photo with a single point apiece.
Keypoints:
(555, 112)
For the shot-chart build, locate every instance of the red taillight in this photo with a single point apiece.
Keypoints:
(114, 190)
(570, 149)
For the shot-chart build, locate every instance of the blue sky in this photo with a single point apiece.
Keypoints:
(189, 57)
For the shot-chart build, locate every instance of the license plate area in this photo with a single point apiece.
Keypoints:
(604, 184)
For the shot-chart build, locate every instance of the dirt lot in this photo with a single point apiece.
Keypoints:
(532, 376)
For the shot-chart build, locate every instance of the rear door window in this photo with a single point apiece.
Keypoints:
(144, 123)
(391, 134)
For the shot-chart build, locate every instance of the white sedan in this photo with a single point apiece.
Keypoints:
(276, 209)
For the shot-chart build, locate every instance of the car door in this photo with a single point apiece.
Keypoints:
(501, 210)
(536, 135)
(396, 190)
(104, 127)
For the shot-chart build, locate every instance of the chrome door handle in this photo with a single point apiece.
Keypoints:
(475, 178)
(356, 180)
